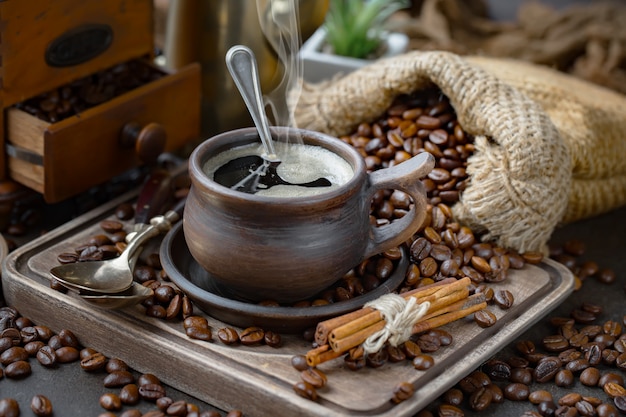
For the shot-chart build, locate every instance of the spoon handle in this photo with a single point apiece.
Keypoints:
(241, 64)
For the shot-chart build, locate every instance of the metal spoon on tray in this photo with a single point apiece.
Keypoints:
(115, 275)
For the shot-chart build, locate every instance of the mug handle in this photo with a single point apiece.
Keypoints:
(404, 177)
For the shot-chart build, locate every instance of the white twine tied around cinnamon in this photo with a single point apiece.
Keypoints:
(400, 315)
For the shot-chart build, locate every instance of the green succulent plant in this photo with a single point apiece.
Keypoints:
(355, 28)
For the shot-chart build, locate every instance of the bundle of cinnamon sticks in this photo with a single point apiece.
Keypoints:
(449, 301)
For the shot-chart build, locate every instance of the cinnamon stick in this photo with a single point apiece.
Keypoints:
(456, 302)
(374, 316)
(446, 318)
(321, 354)
(356, 338)
(459, 305)
(324, 328)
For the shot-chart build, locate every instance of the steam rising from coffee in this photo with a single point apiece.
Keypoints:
(279, 21)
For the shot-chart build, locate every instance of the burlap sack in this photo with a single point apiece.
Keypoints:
(525, 176)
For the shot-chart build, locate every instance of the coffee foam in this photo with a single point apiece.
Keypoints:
(300, 163)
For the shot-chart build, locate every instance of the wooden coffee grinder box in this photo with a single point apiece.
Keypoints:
(82, 100)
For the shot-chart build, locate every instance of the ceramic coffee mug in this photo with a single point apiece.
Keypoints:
(288, 249)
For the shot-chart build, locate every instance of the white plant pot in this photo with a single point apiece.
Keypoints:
(318, 65)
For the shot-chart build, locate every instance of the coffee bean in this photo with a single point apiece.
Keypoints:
(532, 257)
(163, 403)
(445, 338)
(447, 410)
(47, 356)
(377, 359)
(177, 408)
(606, 276)
(18, 370)
(504, 299)
(315, 377)
(67, 354)
(590, 376)
(594, 354)
(129, 394)
(485, 318)
(539, 396)
(354, 363)
(620, 403)
(9, 407)
(402, 392)
(516, 391)
(116, 364)
(395, 354)
(423, 362)
(95, 362)
(228, 336)
(613, 389)
(546, 369)
(522, 376)
(156, 310)
(272, 339)
(118, 379)
(525, 347)
(577, 365)
(251, 335)
(411, 349)
(453, 396)
(306, 390)
(555, 343)
(299, 362)
(124, 211)
(13, 354)
(33, 347)
(469, 384)
(497, 369)
(570, 399)
(41, 406)
(585, 409)
(420, 249)
(480, 399)
(610, 377)
(151, 392)
(546, 408)
(564, 378)
(607, 410)
(110, 402)
(146, 379)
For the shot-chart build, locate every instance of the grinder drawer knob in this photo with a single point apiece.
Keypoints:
(148, 141)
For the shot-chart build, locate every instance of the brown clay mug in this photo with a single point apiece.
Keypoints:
(288, 249)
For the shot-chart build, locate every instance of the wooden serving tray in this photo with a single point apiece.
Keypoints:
(259, 379)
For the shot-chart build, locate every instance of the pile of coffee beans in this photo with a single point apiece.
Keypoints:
(583, 350)
(24, 343)
(90, 91)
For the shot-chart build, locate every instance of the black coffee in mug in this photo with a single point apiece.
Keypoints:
(302, 170)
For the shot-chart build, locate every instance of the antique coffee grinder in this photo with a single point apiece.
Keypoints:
(82, 100)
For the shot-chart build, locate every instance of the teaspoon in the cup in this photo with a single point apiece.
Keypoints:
(242, 65)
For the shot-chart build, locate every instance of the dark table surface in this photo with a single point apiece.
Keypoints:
(76, 392)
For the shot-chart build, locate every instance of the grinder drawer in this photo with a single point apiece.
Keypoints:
(67, 157)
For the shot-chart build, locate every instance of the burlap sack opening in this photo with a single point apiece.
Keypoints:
(520, 174)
